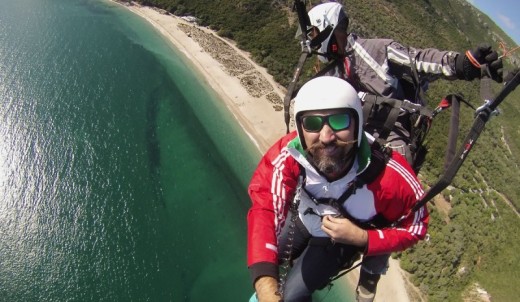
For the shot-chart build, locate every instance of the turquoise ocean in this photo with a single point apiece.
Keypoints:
(122, 175)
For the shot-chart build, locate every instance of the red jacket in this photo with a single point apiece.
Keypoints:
(274, 184)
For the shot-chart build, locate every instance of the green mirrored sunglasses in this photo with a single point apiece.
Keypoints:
(337, 122)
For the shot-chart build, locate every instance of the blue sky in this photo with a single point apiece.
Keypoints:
(505, 13)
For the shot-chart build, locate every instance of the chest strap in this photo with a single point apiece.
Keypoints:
(379, 159)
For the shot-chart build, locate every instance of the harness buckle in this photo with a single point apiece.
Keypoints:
(485, 110)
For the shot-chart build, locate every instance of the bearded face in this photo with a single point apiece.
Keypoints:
(334, 158)
(329, 137)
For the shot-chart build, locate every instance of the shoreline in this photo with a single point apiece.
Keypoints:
(247, 90)
(255, 100)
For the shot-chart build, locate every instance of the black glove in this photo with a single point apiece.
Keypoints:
(467, 66)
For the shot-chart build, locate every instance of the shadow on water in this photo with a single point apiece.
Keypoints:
(204, 197)
(152, 141)
(96, 7)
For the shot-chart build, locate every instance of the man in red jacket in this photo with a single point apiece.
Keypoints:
(309, 171)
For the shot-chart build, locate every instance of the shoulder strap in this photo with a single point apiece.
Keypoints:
(379, 159)
(419, 91)
(373, 103)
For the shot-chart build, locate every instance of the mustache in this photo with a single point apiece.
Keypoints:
(337, 143)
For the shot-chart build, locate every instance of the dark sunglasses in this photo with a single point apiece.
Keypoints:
(337, 122)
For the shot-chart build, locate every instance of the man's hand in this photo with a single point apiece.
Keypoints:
(344, 231)
(468, 65)
(266, 289)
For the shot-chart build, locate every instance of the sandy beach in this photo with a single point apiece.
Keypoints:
(255, 100)
(248, 91)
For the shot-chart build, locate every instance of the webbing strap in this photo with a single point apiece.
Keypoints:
(378, 161)
(323, 71)
(291, 89)
(453, 133)
(419, 92)
(368, 106)
(404, 105)
(485, 89)
(373, 103)
(454, 166)
(322, 35)
(391, 119)
(303, 19)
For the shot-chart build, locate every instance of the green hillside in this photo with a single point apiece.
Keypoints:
(474, 238)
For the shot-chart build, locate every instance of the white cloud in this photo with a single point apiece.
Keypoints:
(507, 21)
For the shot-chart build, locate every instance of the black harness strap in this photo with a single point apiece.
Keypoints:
(419, 91)
(321, 36)
(304, 22)
(291, 89)
(320, 73)
(453, 133)
(391, 118)
(373, 103)
(379, 159)
(455, 101)
(485, 84)
(405, 105)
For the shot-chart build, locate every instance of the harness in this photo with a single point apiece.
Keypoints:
(380, 156)
(383, 115)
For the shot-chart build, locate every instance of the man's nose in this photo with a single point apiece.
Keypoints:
(327, 135)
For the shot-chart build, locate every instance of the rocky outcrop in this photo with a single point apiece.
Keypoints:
(254, 83)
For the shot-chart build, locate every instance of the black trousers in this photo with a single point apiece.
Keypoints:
(316, 261)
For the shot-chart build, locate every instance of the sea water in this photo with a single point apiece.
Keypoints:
(122, 175)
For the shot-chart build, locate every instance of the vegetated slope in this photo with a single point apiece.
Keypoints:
(474, 245)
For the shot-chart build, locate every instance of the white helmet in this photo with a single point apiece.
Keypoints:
(326, 18)
(327, 92)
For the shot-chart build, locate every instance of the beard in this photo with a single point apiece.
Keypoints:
(334, 158)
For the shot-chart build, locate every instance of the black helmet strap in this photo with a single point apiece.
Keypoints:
(321, 36)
